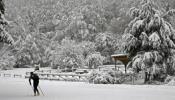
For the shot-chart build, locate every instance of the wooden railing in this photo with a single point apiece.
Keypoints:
(60, 76)
(50, 75)
(10, 75)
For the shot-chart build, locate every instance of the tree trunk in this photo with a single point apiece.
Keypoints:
(146, 77)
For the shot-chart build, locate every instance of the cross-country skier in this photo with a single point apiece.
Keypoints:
(35, 79)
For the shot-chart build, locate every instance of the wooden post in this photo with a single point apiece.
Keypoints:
(115, 72)
(133, 79)
(125, 68)
(115, 65)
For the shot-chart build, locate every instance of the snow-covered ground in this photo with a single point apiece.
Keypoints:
(19, 89)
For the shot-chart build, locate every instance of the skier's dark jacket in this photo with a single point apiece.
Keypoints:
(35, 79)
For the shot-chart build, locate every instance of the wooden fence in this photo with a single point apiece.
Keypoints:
(10, 75)
(60, 76)
(50, 75)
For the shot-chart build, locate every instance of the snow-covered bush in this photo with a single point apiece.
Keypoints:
(170, 80)
(94, 60)
(108, 77)
(7, 62)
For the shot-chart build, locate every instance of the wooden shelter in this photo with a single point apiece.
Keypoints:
(121, 57)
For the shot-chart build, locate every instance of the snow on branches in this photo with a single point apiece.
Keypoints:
(4, 36)
(134, 12)
(150, 34)
(154, 40)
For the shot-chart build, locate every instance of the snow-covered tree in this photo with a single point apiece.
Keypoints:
(6, 60)
(68, 55)
(150, 40)
(94, 60)
(106, 43)
(4, 36)
(87, 48)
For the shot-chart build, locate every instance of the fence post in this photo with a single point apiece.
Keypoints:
(133, 79)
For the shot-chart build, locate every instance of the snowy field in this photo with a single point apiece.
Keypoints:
(19, 89)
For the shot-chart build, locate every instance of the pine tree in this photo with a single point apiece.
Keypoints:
(2, 7)
(4, 36)
(150, 40)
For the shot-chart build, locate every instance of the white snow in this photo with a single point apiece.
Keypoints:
(19, 89)
(115, 55)
(154, 37)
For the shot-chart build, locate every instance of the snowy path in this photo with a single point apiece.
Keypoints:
(19, 89)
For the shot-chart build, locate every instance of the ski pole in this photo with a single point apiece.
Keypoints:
(41, 90)
(31, 87)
